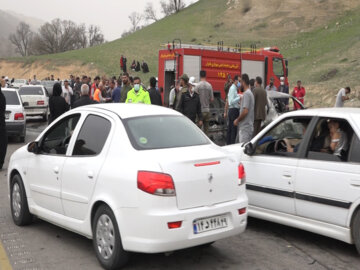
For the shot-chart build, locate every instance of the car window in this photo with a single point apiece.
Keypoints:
(285, 138)
(158, 132)
(57, 139)
(31, 91)
(278, 67)
(11, 97)
(354, 155)
(330, 144)
(92, 137)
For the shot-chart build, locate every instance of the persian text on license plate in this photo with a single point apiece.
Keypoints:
(209, 224)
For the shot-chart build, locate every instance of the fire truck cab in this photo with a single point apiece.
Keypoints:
(218, 62)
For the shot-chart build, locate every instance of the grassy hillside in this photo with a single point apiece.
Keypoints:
(319, 37)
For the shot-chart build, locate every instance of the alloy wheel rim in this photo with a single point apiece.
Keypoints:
(105, 236)
(16, 200)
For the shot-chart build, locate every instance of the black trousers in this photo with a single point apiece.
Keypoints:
(232, 130)
(3, 145)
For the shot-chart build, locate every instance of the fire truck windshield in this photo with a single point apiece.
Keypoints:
(278, 67)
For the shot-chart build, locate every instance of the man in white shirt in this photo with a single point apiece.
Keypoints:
(342, 96)
(67, 92)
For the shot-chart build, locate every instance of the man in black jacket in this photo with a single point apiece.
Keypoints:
(190, 105)
(3, 135)
(155, 96)
(57, 103)
(84, 98)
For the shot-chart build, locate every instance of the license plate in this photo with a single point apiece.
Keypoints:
(210, 224)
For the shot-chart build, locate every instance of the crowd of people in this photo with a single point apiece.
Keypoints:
(135, 65)
(78, 92)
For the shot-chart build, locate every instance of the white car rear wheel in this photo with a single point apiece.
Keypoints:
(107, 240)
(18, 202)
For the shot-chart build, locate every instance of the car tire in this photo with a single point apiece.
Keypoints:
(355, 230)
(107, 241)
(18, 202)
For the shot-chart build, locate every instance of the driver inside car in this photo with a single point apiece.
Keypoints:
(293, 149)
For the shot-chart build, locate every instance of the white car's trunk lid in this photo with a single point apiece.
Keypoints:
(203, 175)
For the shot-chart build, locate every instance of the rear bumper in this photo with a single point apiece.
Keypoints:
(15, 128)
(36, 110)
(148, 232)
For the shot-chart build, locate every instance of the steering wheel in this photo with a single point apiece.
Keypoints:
(280, 146)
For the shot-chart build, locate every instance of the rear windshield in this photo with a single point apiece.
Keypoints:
(159, 132)
(11, 98)
(32, 91)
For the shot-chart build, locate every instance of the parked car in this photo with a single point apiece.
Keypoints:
(133, 177)
(218, 126)
(15, 117)
(37, 99)
(295, 178)
(49, 85)
(18, 83)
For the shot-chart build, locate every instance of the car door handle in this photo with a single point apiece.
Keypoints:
(56, 169)
(287, 175)
(90, 175)
(355, 183)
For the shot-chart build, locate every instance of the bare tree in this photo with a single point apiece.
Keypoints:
(169, 7)
(95, 37)
(82, 36)
(150, 12)
(135, 19)
(22, 38)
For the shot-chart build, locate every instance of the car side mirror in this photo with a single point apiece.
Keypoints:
(33, 147)
(25, 104)
(249, 149)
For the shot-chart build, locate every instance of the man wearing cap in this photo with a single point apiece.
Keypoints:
(283, 88)
(184, 83)
(299, 93)
(190, 104)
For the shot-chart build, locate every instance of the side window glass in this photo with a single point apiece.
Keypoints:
(330, 140)
(285, 138)
(278, 67)
(57, 139)
(92, 136)
(354, 155)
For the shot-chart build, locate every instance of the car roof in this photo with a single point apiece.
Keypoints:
(130, 110)
(276, 94)
(9, 89)
(32, 85)
(326, 112)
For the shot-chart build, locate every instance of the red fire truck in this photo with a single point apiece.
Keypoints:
(218, 62)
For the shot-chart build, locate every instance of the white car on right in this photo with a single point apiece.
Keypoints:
(303, 170)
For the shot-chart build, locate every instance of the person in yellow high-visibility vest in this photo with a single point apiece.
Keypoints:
(138, 94)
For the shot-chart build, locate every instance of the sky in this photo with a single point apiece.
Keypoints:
(110, 15)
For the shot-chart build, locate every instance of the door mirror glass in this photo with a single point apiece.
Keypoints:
(249, 149)
(33, 147)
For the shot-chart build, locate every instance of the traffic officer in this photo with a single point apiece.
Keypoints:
(3, 135)
(138, 94)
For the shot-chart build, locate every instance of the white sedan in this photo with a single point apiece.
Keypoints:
(137, 178)
(303, 170)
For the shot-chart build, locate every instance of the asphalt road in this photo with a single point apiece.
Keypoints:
(264, 245)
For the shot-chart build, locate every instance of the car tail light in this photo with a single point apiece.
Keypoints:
(174, 225)
(242, 175)
(40, 102)
(19, 116)
(242, 211)
(156, 183)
